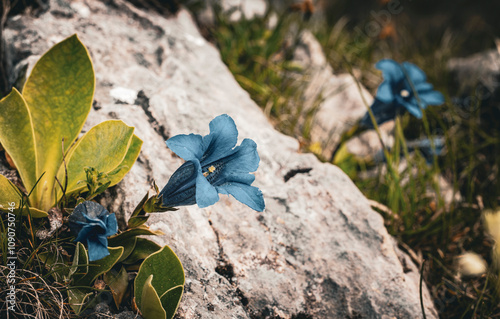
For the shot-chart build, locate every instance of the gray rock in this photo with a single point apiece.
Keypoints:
(481, 68)
(318, 250)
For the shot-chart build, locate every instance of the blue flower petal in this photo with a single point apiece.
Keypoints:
(415, 73)
(111, 225)
(413, 107)
(431, 97)
(221, 140)
(103, 240)
(87, 231)
(424, 86)
(180, 189)
(189, 147)
(206, 194)
(244, 158)
(384, 92)
(238, 177)
(248, 195)
(391, 70)
(96, 250)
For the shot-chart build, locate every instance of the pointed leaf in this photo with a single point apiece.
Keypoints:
(115, 240)
(100, 266)
(168, 273)
(118, 282)
(59, 94)
(151, 308)
(171, 300)
(103, 148)
(80, 267)
(16, 136)
(77, 298)
(143, 248)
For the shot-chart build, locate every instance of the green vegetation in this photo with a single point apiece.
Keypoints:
(60, 174)
(407, 187)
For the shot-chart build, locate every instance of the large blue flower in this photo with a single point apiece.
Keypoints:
(213, 165)
(396, 94)
(93, 224)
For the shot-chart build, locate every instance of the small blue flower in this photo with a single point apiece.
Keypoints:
(396, 94)
(424, 146)
(93, 224)
(213, 165)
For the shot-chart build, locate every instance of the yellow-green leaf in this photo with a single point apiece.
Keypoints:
(77, 298)
(100, 266)
(103, 147)
(129, 160)
(16, 136)
(9, 193)
(168, 277)
(59, 94)
(151, 307)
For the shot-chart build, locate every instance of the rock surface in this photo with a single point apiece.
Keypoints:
(478, 79)
(317, 251)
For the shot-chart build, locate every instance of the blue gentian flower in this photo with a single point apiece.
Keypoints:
(213, 165)
(93, 224)
(396, 94)
(424, 146)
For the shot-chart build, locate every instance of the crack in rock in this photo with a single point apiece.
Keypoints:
(143, 101)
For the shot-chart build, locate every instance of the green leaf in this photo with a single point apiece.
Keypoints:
(77, 298)
(151, 308)
(118, 283)
(138, 231)
(168, 280)
(35, 213)
(128, 161)
(143, 248)
(16, 136)
(171, 299)
(137, 221)
(8, 194)
(56, 265)
(128, 247)
(80, 267)
(59, 94)
(100, 266)
(103, 148)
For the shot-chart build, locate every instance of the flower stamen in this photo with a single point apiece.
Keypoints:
(404, 93)
(211, 169)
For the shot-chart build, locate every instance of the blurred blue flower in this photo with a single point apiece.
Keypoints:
(396, 94)
(93, 224)
(424, 146)
(213, 165)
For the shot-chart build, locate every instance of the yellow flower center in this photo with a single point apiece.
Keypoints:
(404, 93)
(211, 169)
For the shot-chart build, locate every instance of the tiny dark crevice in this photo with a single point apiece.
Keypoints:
(143, 101)
(293, 172)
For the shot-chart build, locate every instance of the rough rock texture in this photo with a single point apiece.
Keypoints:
(318, 250)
